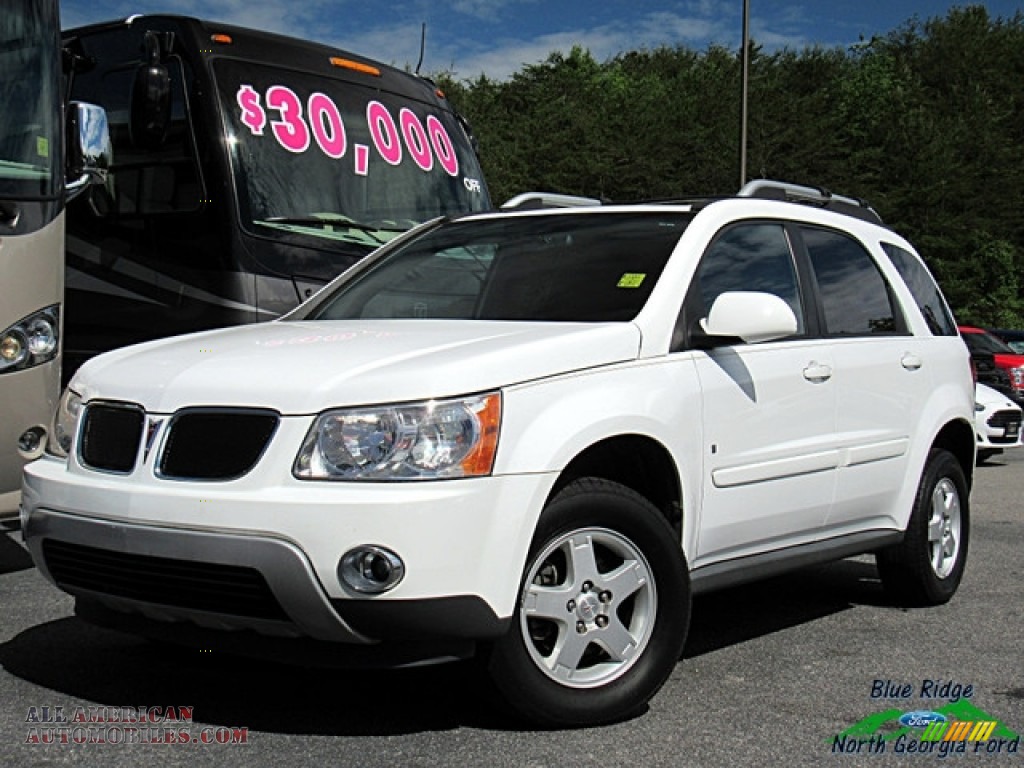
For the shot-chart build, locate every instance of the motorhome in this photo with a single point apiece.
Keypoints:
(33, 193)
(248, 170)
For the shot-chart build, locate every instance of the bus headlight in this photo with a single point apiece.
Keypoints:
(30, 342)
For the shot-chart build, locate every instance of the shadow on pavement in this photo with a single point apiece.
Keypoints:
(105, 668)
(732, 616)
(13, 556)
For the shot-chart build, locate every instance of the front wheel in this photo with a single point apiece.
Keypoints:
(602, 612)
(926, 567)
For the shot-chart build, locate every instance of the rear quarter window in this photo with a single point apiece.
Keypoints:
(854, 294)
(924, 289)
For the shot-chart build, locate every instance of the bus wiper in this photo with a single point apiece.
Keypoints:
(331, 220)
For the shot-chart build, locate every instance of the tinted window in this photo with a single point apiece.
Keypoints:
(986, 342)
(145, 178)
(574, 268)
(853, 292)
(924, 290)
(29, 116)
(750, 257)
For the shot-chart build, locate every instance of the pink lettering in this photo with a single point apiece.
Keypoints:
(328, 129)
(443, 147)
(290, 131)
(384, 132)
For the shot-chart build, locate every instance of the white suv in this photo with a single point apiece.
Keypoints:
(530, 436)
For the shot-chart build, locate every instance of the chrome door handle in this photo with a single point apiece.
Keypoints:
(817, 372)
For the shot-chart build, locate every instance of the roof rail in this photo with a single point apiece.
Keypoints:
(817, 196)
(528, 200)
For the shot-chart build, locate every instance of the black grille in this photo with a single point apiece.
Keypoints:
(228, 589)
(110, 436)
(1009, 422)
(215, 444)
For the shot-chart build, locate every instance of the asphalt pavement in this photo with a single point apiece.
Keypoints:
(813, 668)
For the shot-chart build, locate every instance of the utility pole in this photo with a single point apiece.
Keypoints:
(744, 86)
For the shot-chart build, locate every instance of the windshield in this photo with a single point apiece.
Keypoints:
(339, 160)
(569, 268)
(986, 342)
(29, 116)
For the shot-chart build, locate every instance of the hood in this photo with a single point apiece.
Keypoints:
(992, 398)
(306, 367)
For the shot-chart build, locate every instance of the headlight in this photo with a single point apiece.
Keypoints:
(33, 341)
(65, 425)
(417, 441)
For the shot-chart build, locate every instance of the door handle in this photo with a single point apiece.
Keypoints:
(911, 361)
(817, 373)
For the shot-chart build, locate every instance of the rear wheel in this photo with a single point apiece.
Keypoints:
(927, 566)
(602, 613)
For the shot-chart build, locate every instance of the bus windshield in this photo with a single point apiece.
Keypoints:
(29, 108)
(340, 160)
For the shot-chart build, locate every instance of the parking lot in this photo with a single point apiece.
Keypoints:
(772, 673)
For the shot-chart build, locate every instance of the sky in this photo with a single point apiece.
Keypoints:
(497, 38)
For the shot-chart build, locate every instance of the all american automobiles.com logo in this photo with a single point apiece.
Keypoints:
(945, 723)
(100, 725)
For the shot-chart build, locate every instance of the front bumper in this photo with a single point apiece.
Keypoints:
(999, 429)
(249, 555)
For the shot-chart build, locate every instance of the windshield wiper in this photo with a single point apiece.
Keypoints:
(330, 221)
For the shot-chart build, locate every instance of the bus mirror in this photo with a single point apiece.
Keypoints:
(89, 148)
(151, 97)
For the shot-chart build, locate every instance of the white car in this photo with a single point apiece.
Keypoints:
(997, 422)
(531, 436)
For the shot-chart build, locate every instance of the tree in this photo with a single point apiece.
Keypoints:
(926, 122)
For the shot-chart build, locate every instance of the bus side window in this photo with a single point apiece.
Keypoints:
(143, 181)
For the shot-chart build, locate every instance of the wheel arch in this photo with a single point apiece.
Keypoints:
(958, 437)
(638, 462)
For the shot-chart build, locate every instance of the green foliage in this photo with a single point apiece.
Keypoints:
(927, 123)
(988, 288)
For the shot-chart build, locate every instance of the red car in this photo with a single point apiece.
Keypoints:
(980, 341)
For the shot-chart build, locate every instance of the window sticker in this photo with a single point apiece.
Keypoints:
(298, 126)
(328, 128)
(290, 129)
(631, 280)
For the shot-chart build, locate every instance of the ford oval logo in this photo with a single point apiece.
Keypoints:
(921, 718)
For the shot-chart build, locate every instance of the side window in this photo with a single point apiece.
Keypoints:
(144, 180)
(750, 257)
(853, 292)
(924, 290)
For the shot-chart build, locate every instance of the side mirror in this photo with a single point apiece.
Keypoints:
(150, 112)
(89, 150)
(749, 316)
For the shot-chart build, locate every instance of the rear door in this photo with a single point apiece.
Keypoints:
(881, 378)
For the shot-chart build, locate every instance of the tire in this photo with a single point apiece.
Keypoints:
(927, 566)
(603, 610)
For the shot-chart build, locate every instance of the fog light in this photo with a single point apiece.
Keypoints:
(32, 442)
(370, 569)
